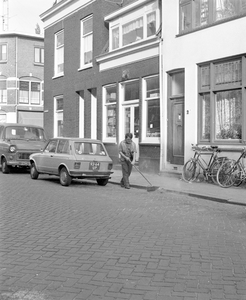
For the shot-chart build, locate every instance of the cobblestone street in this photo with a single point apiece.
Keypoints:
(108, 243)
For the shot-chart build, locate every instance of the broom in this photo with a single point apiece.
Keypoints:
(150, 188)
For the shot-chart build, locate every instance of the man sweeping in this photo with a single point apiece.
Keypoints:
(127, 151)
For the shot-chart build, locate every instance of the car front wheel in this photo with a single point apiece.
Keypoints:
(33, 171)
(5, 167)
(65, 178)
(102, 182)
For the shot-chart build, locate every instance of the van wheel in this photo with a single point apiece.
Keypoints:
(33, 171)
(65, 178)
(5, 167)
(102, 182)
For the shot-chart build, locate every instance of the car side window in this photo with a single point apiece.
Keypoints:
(89, 148)
(63, 146)
(51, 147)
(1, 131)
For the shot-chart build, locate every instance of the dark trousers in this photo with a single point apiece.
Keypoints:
(126, 172)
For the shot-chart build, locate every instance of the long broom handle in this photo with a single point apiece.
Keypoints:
(142, 175)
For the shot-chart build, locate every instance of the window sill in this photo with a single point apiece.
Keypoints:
(109, 140)
(38, 64)
(85, 67)
(147, 141)
(58, 76)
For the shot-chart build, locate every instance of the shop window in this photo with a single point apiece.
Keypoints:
(221, 102)
(151, 108)
(109, 95)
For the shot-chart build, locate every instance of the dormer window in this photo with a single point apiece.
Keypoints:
(136, 24)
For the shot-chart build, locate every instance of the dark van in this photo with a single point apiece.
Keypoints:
(18, 142)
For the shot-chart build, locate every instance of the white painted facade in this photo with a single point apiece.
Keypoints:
(186, 51)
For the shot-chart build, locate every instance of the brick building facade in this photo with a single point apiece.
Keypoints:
(21, 78)
(102, 74)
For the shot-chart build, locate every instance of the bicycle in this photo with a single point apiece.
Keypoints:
(197, 168)
(232, 172)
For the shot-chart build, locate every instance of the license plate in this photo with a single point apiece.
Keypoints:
(23, 163)
(94, 165)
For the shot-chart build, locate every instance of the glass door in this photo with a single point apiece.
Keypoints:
(131, 124)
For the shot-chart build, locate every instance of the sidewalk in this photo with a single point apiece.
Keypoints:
(172, 182)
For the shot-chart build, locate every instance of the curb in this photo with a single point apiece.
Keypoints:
(205, 197)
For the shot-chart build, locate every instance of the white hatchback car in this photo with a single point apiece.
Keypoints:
(71, 158)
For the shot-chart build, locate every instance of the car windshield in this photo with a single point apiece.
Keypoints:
(89, 148)
(24, 133)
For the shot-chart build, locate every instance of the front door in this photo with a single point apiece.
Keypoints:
(131, 123)
(175, 137)
(176, 132)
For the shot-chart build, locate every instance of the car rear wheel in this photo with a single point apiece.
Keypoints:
(65, 178)
(5, 167)
(33, 171)
(102, 182)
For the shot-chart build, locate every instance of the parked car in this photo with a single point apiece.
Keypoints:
(71, 158)
(17, 142)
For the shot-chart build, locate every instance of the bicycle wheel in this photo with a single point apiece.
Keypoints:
(189, 171)
(228, 173)
(215, 167)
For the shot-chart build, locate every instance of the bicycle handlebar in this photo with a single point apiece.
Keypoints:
(205, 148)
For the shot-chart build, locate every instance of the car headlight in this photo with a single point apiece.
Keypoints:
(12, 149)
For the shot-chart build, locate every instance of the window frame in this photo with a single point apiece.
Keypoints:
(83, 64)
(3, 60)
(212, 91)
(30, 98)
(40, 55)
(240, 11)
(141, 12)
(3, 92)
(61, 47)
(145, 101)
(105, 110)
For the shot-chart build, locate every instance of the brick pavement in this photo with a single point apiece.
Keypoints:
(91, 242)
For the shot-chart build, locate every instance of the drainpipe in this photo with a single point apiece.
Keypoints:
(16, 74)
(162, 123)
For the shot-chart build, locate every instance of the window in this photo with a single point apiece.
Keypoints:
(58, 122)
(197, 13)
(131, 91)
(86, 42)
(221, 101)
(29, 92)
(110, 99)
(135, 26)
(3, 91)
(51, 146)
(3, 52)
(59, 53)
(63, 147)
(151, 107)
(39, 55)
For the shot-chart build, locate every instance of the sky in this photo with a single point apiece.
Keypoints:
(24, 14)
